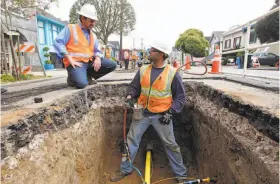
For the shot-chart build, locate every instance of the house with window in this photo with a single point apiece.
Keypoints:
(235, 38)
(26, 29)
(39, 28)
(115, 48)
(215, 39)
(48, 27)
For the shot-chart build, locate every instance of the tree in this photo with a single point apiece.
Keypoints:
(267, 29)
(192, 41)
(112, 14)
(21, 8)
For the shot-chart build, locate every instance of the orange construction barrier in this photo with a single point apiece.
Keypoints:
(27, 70)
(188, 63)
(216, 63)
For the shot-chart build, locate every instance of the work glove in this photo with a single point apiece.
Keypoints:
(129, 102)
(166, 118)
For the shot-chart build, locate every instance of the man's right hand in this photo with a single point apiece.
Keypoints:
(72, 62)
(129, 101)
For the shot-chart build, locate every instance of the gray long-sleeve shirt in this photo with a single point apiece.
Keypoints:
(177, 88)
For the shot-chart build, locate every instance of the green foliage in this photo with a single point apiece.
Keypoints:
(192, 41)
(241, 53)
(46, 49)
(48, 62)
(25, 76)
(110, 19)
(47, 55)
(267, 29)
(7, 78)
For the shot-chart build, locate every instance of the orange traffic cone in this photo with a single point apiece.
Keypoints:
(188, 63)
(175, 64)
(216, 63)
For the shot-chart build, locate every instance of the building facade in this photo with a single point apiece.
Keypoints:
(48, 28)
(236, 38)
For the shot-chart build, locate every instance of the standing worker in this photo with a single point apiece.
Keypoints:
(126, 59)
(78, 46)
(108, 52)
(161, 93)
(133, 59)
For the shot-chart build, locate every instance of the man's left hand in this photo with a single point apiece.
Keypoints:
(166, 118)
(97, 63)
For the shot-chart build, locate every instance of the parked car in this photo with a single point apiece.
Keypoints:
(208, 62)
(146, 61)
(266, 58)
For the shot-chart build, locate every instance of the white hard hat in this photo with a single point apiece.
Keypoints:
(88, 11)
(161, 47)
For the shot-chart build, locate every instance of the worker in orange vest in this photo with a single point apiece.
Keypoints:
(126, 59)
(108, 52)
(160, 90)
(133, 59)
(78, 46)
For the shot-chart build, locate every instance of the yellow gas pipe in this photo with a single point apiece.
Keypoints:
(149, 149)
(148, 167)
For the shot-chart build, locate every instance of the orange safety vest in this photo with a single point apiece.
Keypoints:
(156, 97)
(134, 55)
(78, 46)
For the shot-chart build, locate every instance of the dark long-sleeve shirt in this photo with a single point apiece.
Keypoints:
(177, 88)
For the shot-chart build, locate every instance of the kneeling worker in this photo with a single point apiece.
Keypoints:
(78, 47)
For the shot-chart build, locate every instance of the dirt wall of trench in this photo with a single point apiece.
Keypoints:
(64, 142)
(226, 144)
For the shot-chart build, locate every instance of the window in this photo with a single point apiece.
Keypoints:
(227, 44)
(53, 31)
(253, 36)
(237, 41)
(41, 31)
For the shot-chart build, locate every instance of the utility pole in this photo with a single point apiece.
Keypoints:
(142, 43)
(133, 43)
(121, 31)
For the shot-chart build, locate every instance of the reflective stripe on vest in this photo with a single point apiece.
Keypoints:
(79, 55)
(78, 46)
(75, 34)
(158, 96)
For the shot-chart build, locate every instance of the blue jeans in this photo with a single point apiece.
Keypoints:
(79, 75)
(166, 135)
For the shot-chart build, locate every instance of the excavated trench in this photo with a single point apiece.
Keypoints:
(78, 139)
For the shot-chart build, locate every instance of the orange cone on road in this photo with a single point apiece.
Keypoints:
(188, 63)
(216, 63)
(176, 64)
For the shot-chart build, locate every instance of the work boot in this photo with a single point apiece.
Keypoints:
(91, 81)
(118, 175)
(69, 82)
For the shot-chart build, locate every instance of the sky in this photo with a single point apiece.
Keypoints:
(164, 20)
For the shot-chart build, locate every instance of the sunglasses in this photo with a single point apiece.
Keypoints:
(91, 20)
